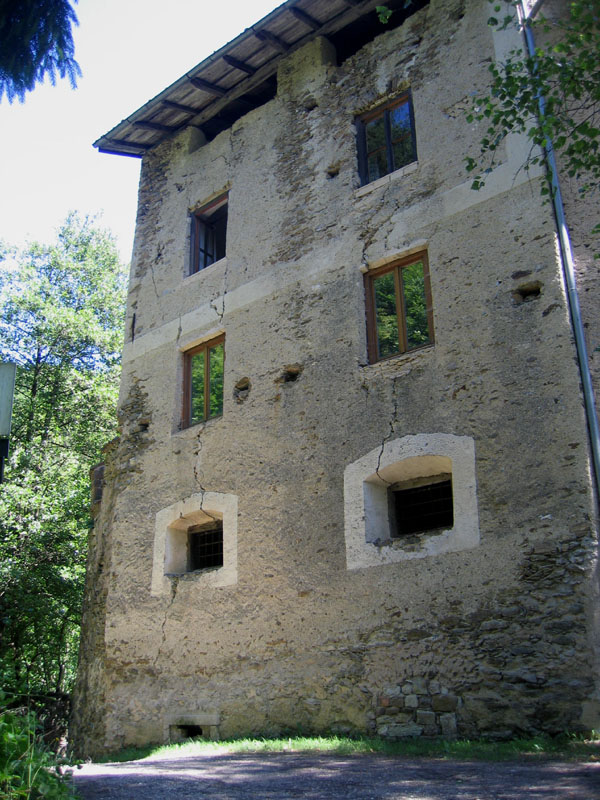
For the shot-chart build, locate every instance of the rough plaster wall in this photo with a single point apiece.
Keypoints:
(487, 640)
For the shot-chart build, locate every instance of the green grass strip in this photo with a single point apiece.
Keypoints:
(565, 747)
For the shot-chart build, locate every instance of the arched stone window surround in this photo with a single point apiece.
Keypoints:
(170, 539)
(366, 508)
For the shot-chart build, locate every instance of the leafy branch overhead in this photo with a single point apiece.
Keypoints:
(36, 42)
(565, 71)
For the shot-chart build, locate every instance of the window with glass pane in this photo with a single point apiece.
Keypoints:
(399, 313)
(209, 234)
(386, 139)
(203, 382)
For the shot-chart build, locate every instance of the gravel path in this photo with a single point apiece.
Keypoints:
(318, 777)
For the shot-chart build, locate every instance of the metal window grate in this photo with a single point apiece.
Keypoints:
(206, 547)
(423, 508)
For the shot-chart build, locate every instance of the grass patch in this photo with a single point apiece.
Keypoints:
(565, 747)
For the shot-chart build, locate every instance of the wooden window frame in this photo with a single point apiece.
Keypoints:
(369, 279)
(186, 418)
(204, 218)
(383, 111)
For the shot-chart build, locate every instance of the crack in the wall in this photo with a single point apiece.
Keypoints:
(198, 476)
(153, 280)
(392, 423)
(174, 585)
(225, 275)
(213, 303)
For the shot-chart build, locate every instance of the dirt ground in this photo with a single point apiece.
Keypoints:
(318, 777)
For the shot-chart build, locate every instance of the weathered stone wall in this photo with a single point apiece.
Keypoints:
(493, 638)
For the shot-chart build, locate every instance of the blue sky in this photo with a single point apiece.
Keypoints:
(128, 50)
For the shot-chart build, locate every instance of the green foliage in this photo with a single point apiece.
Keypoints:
(386, 315)
(566, 73)
(563, 747)
(384, 13)
(415, 305)
(206, 373)
(28, 769)
(414, 312)
(36, 41)
(61, 317)
(216, 356)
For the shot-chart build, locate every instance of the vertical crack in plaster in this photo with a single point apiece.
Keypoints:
(392, 423)
(174, 585)
(198, 475)
(225, 275)
(213, 303)
(153, 280)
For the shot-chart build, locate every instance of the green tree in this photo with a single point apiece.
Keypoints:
(36, 41)
(61, 318)
(565, 72)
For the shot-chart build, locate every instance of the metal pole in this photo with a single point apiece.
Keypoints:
(569, 274)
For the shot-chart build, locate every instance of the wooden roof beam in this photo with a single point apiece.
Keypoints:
(274, 41)
(237, 64)
(180, 107)
(305, 18)
(126, 143)
(264, 74)
(210, 88)
(154, 126)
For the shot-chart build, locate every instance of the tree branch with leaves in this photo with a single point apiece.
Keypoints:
(61, 319)
(565, 72)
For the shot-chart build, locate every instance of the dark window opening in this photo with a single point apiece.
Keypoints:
(97, 483)
(425, 504)
(190, 731)
(386, 139)
(205, 543)
(179, 733)
(209, 235)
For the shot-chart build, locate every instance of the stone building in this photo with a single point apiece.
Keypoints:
(353, 489)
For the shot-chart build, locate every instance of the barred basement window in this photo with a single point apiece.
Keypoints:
(386, 139)
(399, 308)
(203, 382)
(414, 498)
(421, 504)
(205, 546)
(209, 234)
